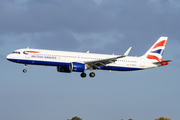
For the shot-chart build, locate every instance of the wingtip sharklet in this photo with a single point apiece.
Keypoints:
(127, 52)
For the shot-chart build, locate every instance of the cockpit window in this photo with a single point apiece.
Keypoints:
(16, 52)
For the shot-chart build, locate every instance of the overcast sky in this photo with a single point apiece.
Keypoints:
(100, 26)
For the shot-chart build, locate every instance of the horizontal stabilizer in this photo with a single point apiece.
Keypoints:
(164, 62)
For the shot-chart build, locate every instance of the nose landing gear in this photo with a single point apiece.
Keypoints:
(25, 66)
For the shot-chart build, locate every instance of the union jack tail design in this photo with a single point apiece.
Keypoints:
(156, 51)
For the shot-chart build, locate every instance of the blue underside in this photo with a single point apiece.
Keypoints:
(120, 68)
(50, 63)
(34, 62)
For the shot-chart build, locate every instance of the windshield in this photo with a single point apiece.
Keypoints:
(16, 52)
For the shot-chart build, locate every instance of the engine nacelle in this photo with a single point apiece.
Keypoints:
(77, 67)
(64, 68)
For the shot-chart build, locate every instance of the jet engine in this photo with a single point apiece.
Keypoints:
(74, 66)
(77, 67)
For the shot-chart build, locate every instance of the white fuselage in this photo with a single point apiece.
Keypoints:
(60, 58)
(79, 62)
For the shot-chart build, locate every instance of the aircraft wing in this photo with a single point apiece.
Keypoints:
(95, 64)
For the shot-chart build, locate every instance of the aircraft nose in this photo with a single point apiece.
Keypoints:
(8, 56)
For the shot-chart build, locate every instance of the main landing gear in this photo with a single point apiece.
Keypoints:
(83, 75)
(92, 74)
(25, 66)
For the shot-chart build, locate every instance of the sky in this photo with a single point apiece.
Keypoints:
(98, 26)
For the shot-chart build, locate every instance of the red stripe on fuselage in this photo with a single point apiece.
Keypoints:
(162, 43)
(31, 52)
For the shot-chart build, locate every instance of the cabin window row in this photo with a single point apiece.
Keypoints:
(127, 61)
(83, 57)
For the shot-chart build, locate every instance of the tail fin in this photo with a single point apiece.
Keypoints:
(156, 51)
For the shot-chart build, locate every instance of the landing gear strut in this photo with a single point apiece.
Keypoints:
(25, 66)
(83, 75)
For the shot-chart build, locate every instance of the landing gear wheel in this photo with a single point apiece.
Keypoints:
(92, 74)
(24, 70)
(83, 75)
(25, 66)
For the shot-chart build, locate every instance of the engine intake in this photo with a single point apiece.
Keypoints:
(66, 69)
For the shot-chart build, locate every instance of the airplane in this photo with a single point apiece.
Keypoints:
(68, 62)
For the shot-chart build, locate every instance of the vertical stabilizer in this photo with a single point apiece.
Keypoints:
(156, 51)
